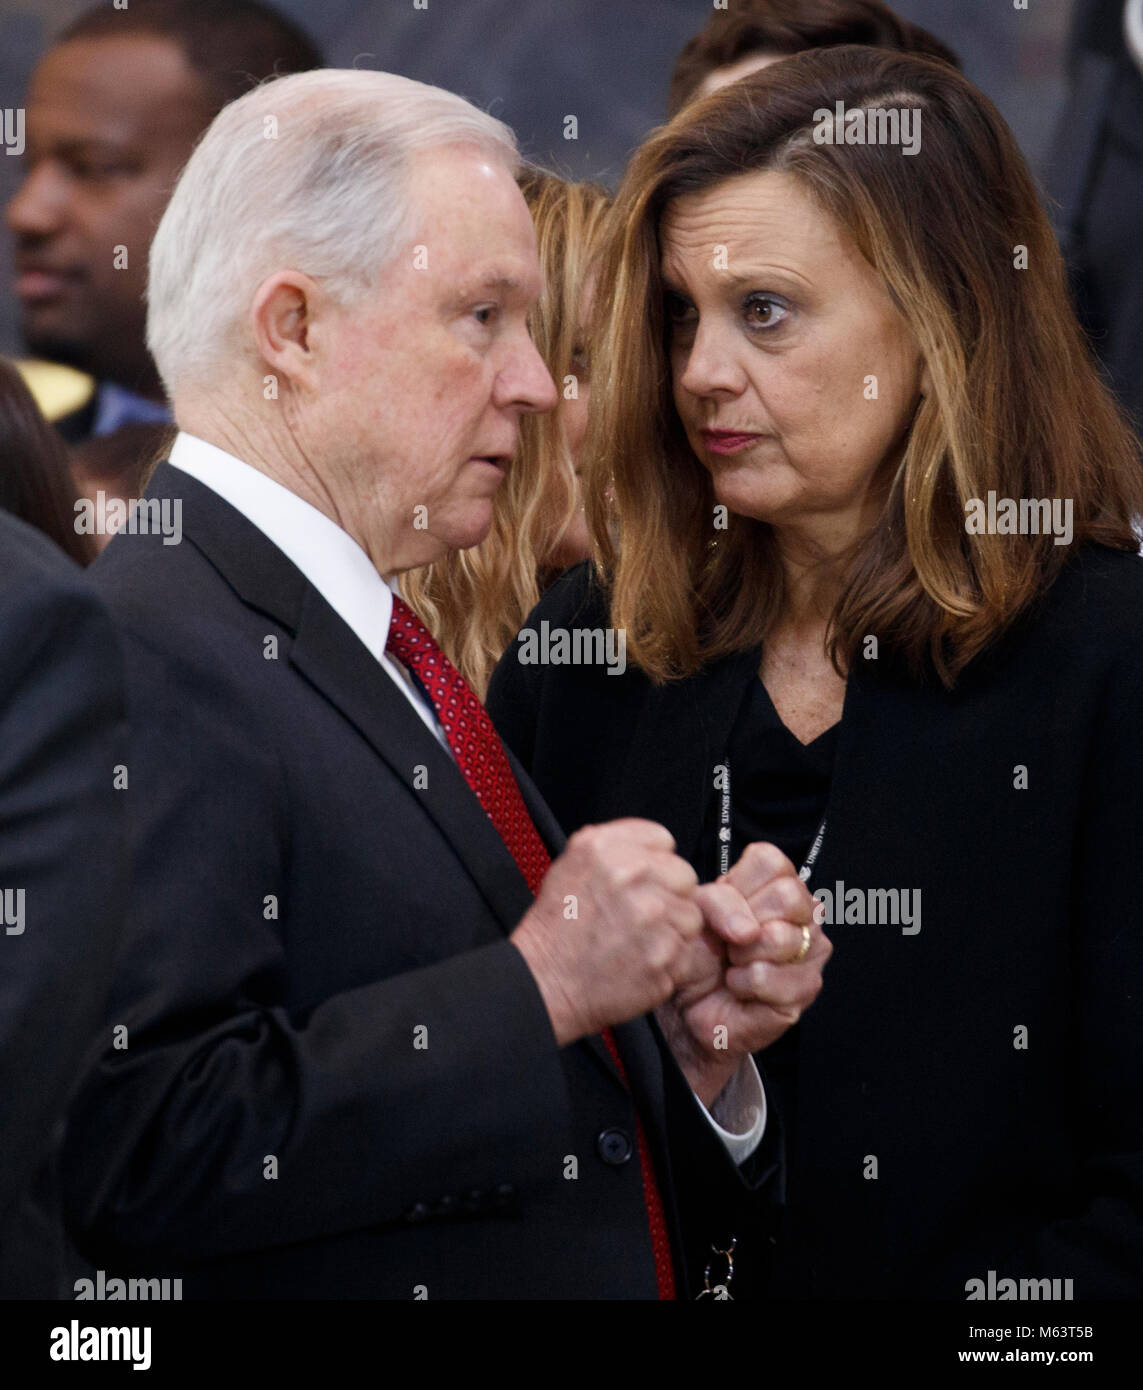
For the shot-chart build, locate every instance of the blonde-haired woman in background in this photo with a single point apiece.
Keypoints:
(475, 601)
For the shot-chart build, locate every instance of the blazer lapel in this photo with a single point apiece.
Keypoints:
(668, 776)
(680, 737)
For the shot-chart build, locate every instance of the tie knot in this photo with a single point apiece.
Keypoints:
(474, 742)
(409, 639)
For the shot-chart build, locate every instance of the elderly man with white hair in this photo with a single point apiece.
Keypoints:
(376, 1031)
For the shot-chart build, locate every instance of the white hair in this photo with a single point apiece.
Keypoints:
(307, 172)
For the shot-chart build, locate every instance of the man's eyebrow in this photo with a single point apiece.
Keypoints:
(494, 282)
(500, 280)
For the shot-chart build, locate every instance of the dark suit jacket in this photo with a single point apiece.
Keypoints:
(63, 846)
(990, 1155)
(341, 1080)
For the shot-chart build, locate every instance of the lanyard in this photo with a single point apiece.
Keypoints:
(725, 834)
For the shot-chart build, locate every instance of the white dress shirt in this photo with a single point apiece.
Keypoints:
(344, 575)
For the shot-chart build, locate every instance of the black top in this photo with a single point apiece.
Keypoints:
(989, 1061)
(778, 785)
(778, 792)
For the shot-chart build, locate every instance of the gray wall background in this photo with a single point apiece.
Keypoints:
(533, 62)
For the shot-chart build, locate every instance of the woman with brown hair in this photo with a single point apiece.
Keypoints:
(474, 601)
(870, 544)
(35, 484)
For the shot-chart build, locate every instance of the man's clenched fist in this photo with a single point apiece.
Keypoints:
(615, 929)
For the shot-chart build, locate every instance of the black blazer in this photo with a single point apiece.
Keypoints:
(989, 1155)
(63, 847)
(339, 1077)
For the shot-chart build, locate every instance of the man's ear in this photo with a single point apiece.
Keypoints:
(281, 318)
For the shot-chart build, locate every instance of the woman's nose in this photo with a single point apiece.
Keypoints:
(711, 364)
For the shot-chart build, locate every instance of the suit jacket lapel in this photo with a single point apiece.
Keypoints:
(551, 832)
(555, 839)
(331, 657)
(336, 663)
(346, 673)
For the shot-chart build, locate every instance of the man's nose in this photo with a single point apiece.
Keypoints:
(528, 384)
(38, 206)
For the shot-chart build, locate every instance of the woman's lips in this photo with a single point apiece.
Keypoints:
(727, 441)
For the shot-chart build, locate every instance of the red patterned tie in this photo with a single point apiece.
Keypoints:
(480, 756)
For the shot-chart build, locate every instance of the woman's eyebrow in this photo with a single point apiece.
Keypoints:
(755, 276)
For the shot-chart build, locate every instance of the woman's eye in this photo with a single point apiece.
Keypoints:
(580, 361)
(764, 311)
(485, 314)
(677, 309)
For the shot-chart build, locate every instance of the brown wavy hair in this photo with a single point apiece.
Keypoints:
(35, 484)
(475, 601)
(1016, 405)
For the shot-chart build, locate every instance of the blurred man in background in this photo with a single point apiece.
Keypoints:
(114, 109)
(752, 33)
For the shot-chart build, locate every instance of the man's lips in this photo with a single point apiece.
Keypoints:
(727, 441)
(42, 282)
(497, 461)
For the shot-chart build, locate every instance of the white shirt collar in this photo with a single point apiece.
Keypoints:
(329, 557)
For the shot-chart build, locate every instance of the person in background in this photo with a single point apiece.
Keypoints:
(475, 601)
(872, 545)
(117, 464)
(113, 110)
(63, 867)
(1095, 182)
(35, 484)
(751, 34)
